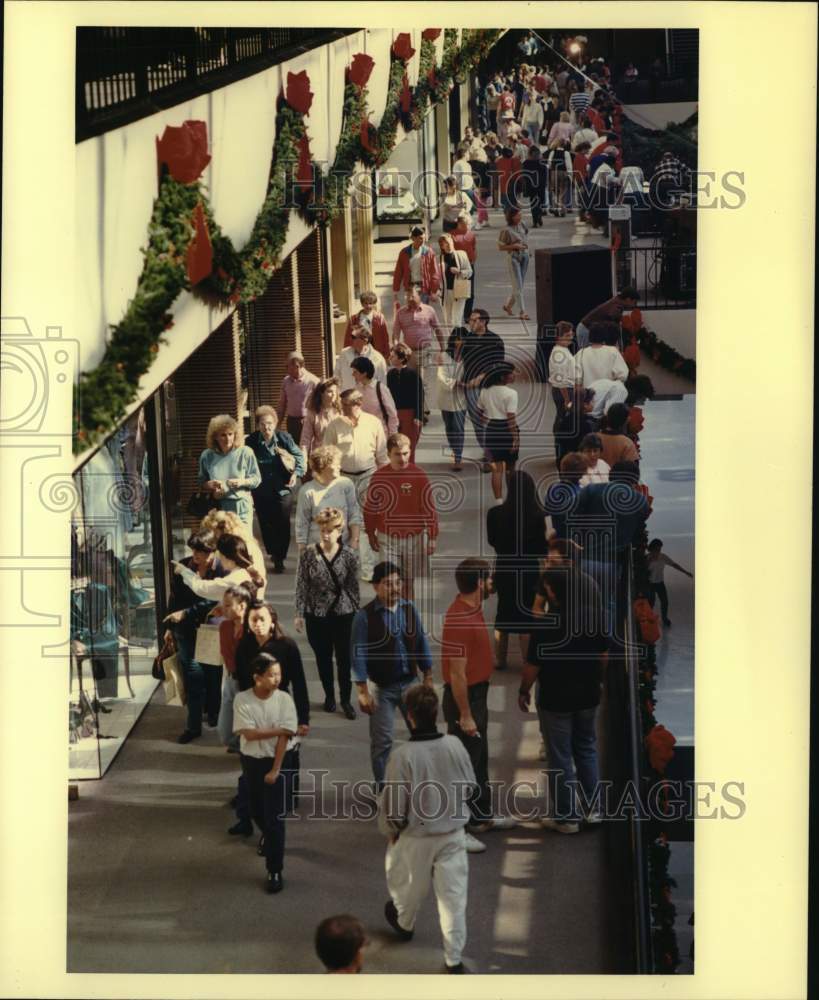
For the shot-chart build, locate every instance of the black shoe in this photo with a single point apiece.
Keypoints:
(666, 622)
(98, 707)
(456, 970)
(275, 882)
(329, 705)
(244, 828)
(391, 915)
(260, 847)
(213, 721)
(187, 736)
(278, 567)
(348, 710)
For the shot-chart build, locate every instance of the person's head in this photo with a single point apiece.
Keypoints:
(582, 148)
(445, 243)
(462, 224)
(564, 116)
(233, 552)
(362, 370)
(502, 373)
(572, 467)
(266, 420)
(398, 450)
(597, 333)
(351, 403)
(629, 296)
(325, 395)
(400, 354)
(640, 388)
(564, 333)
(611, 333)
(616, 418)
(534, 152)
(263, 621)
(414, 296)
(368, 300)
(340, 943)
(223, 432)
(360, 338)
(235, 602)
(223, 522)
(585, 122)
(554, 584)
(492, 138)
(478, 320)
(521, 496)
(474, 576)
(451, 183)
(625, 472)
(422, 707)
(387, 582)
(512, 215)
(330, 522)
(507, 151)
(455, 342)
(655, 546)
(325, 463)
(417, 236)
(267, 673)
(202, 547)
(295, 364)
(591, 448)
(524, 133)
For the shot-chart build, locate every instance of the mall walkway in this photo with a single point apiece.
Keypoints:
(156, 885)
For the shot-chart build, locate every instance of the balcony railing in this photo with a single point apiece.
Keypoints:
(664, 275)
(124, 74)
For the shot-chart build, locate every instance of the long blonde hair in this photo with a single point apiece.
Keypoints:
(222, 422)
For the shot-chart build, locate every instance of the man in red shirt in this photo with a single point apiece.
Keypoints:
(508, 168)
(399, 514)
(466, 666)
(464, 239)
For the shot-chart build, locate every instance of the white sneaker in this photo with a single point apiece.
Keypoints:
(593, 818)
(541, 754)
(502, 823)
(473, 845)
(552, 824)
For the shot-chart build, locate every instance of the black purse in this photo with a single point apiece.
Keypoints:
(200, 504)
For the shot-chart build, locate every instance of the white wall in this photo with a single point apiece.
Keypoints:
(677, 327)
(659, 116)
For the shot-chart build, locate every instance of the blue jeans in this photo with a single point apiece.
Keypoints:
(225, 724)
(572, 741)
(518, 264)
(382, 724)
(471, 396)
(193, 676)
(454, 422)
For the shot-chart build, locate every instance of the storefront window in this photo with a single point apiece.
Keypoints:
(113, 600)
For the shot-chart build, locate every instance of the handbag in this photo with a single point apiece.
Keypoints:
(174, 684)
(157, 669)
(461, 288)
(200, 504)
(207, 645)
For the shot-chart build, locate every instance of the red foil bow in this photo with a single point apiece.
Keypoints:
(200, 250)
(430, 34)
(298, 94)
(184, 150)
(660, 746)
(402, 47)
(360, 69)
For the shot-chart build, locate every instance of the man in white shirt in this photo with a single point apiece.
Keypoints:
(361, 348)
(265, 720)
(584, 134)
(361, 440)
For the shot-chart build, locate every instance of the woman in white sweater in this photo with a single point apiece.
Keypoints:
(233, 556)
(452, 264)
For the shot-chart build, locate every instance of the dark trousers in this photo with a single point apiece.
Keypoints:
(327, 635)
(268, 805)
(193, 676)
(471, 300)
(213, 691)
(480, 804)
(294, 426)
(274, 520)
(658, 590)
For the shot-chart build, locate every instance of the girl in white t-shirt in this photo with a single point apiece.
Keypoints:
(498, 402)
(597, 471)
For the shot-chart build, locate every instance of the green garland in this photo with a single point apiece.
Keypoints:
(666, 356)
(239, 277)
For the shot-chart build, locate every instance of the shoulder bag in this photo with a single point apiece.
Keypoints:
(288, 460)
(207, 648)
(381, 404)
(200, 504)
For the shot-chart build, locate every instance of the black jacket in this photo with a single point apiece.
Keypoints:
(288, 655)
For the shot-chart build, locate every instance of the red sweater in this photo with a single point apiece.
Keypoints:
(429, 271)
(507, 167)
(399, 502)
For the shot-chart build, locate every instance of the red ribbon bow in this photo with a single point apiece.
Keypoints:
(298, 94)
(199, 260)
(402, 47)
(430, 34)
(184, 150)
(360, 69)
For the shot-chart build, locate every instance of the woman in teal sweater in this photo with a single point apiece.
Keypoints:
(228, 470)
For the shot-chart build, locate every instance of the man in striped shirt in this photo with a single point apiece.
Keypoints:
(579, 102)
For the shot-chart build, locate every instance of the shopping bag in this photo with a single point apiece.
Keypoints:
(207, 645)
(461, 288)
(174, 685)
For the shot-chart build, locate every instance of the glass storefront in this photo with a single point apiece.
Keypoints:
(113, 599)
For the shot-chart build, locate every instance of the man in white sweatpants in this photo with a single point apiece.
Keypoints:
(423, 810)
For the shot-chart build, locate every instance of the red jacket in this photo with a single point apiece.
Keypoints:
(429, 271)
(381, 337)
(400, 502)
